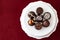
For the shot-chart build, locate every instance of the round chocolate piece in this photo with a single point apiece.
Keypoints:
(39, 10)
(38, 25)
(38, 19)
(31, 14)
(31, 22)
(47, 15)
(46, 23)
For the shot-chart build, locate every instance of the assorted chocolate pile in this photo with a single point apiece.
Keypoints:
(39, 19)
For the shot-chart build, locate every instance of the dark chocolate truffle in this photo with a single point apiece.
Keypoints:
(47, 15)
(31, 22)
(46, 23)
(39, 10)
(31, 14)
(38, 25)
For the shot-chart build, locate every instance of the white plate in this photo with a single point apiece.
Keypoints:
(30, 30)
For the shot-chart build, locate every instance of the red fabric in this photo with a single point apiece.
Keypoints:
(10, 12)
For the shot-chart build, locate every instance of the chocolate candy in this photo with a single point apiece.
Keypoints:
(39, 10)
(38, 19)
(38, 25)
(31, 22)
(46, 23)
(47, 15)
(31, 14)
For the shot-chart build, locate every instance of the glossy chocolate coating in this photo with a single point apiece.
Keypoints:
(38, 25)
(47, 15)
(39, 10)
(31, 22)
(31, 14)
(38, 18)
(46, 23)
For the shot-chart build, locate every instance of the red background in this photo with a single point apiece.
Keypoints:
(10, 28)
